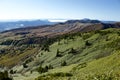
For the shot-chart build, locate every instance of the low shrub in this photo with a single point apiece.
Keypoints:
(54, 75)
(4, 76)
(63, 63)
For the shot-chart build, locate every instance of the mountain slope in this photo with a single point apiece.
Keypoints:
(60, 51)
(106, 68)
(99, 60)
(87, 47)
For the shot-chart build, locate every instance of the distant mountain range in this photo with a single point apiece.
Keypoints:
(86, 20)
(84, 25)
(8, 25)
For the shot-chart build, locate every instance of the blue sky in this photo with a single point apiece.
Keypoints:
(60, 9)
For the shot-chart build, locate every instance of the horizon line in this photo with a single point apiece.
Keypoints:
(2, 20)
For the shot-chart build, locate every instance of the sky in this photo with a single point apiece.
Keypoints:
(60, 9)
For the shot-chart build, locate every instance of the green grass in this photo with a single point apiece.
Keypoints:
(95, 61)
(102, 69)
(96, 56)
(107, 68)
(10, 60)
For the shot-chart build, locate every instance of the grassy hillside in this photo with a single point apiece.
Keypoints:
(98, 60)
(106, 68)
(87, 46)
(74, 56)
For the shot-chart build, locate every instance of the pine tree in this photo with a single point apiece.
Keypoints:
(58, 53)
(63, 63)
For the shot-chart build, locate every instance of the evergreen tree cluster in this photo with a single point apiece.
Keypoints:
(41, 69)
(4, 76)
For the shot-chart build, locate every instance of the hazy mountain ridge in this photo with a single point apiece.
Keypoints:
(27, 23)
(66, 27)
(21, 24)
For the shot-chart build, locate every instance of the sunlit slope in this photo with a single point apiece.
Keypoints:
(107, 68)
(97, 54)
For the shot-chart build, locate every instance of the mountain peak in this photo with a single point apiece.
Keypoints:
(85, 20)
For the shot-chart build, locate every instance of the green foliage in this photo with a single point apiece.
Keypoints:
(63, 63)
(61, 74)
(53, 76)
(12, 72)
(7, 42)
(90, 48)
(86, 35)
(41, 69)
(103, 77)
(106, 68)
(72, 51)
(96, 47)
(2, 51)
(45, 47)
(58, 53)
(25, 65)
(82, 65)
(28, 60)
(50, 67)
(87, 43)
(4, 76)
